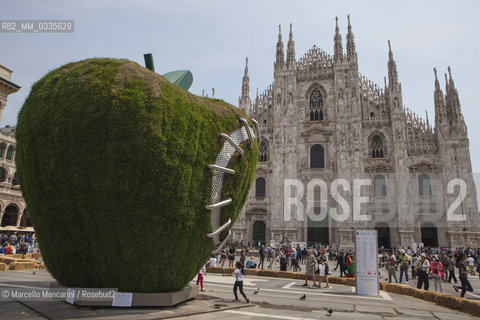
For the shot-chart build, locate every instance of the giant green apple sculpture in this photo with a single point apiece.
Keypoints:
(112, 160)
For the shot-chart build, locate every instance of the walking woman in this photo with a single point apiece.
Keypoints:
(309, 269)
(463, 275)
(436, 271)
(223, 256)
(350, 262)
(239, 282)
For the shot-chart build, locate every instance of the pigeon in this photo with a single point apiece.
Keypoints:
(329, 311)
(33, 272)
(256, 291)
(303, 297)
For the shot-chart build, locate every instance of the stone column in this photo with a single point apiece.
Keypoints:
(347, 240)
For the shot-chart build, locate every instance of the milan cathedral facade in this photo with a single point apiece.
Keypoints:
(324, 127)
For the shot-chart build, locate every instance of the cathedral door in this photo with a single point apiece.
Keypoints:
(383, 234)
(259, 231)
(429, 235)
(318, 232)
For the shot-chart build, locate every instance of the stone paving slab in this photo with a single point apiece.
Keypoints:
(414, 312)
(383, 310)
(345, 315)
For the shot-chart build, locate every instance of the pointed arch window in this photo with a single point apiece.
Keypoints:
(263, 152)
(316, 105)
(424, 185)
(379, 186)
(260, 188)
(3, 146)
(9, 155)
(317, 156)
(377, 147)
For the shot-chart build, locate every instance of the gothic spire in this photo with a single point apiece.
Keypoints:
(280, 61)
(437, 84)
(246, 81)
(338, 48)
(439, 102)
(351, 53)
(291, 50)
(392, 68)
(244, 101)
(451, 98)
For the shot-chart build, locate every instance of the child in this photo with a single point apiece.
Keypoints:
(239, 282)
(323, 273)
(283, 264)
(200, 277)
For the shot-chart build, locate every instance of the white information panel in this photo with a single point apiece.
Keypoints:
(122, 299)
(366, 258)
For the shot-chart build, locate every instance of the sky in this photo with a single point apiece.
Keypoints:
(211, 38)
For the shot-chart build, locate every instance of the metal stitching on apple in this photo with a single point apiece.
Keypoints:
(216, 232)
(219, 204)
(257, 128)
(247, 128)
(232, 143)
(220, 168)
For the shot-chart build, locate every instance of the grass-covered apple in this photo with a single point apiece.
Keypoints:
(112, 160)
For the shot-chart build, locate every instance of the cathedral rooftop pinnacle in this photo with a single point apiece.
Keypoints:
(392, 68)
(291, 63)
(280, 58)
(351, 53)
(437, 84)
(338, 48)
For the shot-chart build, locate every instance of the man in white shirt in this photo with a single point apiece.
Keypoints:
(471, 264)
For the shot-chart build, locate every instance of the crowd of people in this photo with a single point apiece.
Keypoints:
(438, 265)
(15, 242)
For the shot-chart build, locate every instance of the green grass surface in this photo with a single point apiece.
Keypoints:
(112, 162)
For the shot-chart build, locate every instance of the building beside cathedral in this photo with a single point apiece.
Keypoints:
(328, 135)
(13, 212)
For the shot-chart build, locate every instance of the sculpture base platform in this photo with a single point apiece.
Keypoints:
(135, 299)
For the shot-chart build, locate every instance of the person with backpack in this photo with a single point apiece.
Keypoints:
(391, 266)
(239, 273)
(450, 265)
(322, 268)
(404, 265)
(423, 269)
(294, 263)
(270, 257)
